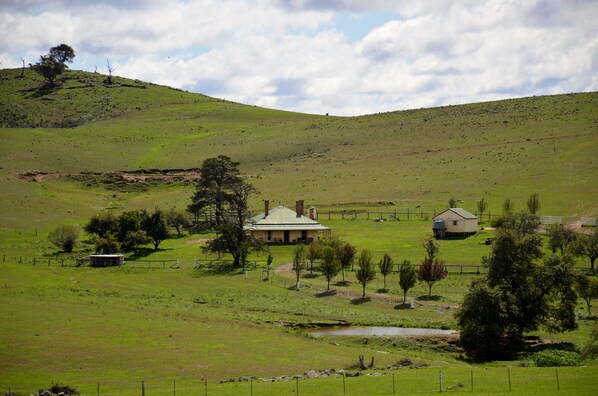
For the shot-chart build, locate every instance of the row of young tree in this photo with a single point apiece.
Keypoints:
(126, 232)
(334, 256)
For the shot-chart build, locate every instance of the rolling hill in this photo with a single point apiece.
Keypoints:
(58, 142)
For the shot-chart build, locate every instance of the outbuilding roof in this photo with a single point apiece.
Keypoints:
(282, 218)
(460, 212)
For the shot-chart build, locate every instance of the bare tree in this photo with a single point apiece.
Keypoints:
(111, 69)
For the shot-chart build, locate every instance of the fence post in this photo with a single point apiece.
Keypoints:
(407, 213)
(174, 386)
(206, 386)
(20, 259)
(297, 379)
(441, 381)
(98, 389)
(509, 370)
(34, 261)
(558, 384)
(142, 388)
(393, 383)
(344, 386)
(251, 384)
(472, 380)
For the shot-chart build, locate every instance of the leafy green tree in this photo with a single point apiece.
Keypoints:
(517, 296)
(218, 176)
(127, 222)
(559, 237)
(346, 255)
(178, 220)
(64, 237)
(407, 278)
(330, 264)
(102, 224)
(533, 203)
(155, 227)
(134, 239)
(587, 289)
(385, 266)
(367, 271)
(108, 244)
(298, 262)
(231, 237)
(508, 207)
(314, 252)
(452, 203)
(48, 67)
(431, 247)
(481, 320)
(431, 271)
(482, 207)
(63, 53)
(587, 245)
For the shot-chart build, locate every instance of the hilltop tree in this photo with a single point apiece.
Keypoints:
(64, 237)
(298, 262)
(63, 53)
(385, 266)
(482, 206)
(431, 271)
(330, 264)
(407, 278)
(214, 190)
(533, 203)
(48, 67)
(366, 272)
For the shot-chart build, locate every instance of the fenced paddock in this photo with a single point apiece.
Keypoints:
(424, 381)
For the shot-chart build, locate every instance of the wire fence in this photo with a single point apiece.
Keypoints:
(497, 380)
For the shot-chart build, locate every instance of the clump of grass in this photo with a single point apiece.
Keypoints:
(556, 358)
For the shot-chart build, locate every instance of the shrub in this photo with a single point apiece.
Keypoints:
(64, 237)
(556, 358)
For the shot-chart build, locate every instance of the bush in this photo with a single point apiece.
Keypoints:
(556, 358)
(65, 237)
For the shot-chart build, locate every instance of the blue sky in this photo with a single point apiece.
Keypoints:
(343, 57)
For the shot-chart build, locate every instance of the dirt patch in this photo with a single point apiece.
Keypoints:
(197, 241)
(34, 176)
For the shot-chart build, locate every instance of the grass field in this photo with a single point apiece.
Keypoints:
(120, 326)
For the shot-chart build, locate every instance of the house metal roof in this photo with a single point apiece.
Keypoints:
(460, 212)
(282, 218)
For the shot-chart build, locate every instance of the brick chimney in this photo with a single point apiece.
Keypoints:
(299, 208)
(266, 208)
(312, 213)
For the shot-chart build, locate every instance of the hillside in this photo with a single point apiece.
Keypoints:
(54, 138)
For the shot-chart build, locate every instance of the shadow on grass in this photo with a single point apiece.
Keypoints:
(344, 283)
(403, 306)
(42, 91)
(310, 276)
(360, 300)
(382, 290)
(221, 269)
(144, 252)
(428, 298)
(327, 293)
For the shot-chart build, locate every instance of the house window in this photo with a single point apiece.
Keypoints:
(454, 222)
(269, 235)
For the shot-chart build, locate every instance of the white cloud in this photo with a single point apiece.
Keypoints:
(291, 55)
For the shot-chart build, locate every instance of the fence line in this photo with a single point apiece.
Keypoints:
(388, 381)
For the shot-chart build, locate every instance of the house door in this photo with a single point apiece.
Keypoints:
(287, 236)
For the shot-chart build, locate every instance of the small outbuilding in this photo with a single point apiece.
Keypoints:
(283, 225)
(454, 221)
(106, 260)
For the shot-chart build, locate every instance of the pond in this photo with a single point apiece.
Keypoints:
(377, 331)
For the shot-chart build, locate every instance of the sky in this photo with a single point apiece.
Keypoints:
(342, 57)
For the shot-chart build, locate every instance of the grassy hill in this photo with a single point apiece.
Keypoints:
(64, 155)
(405, 159)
